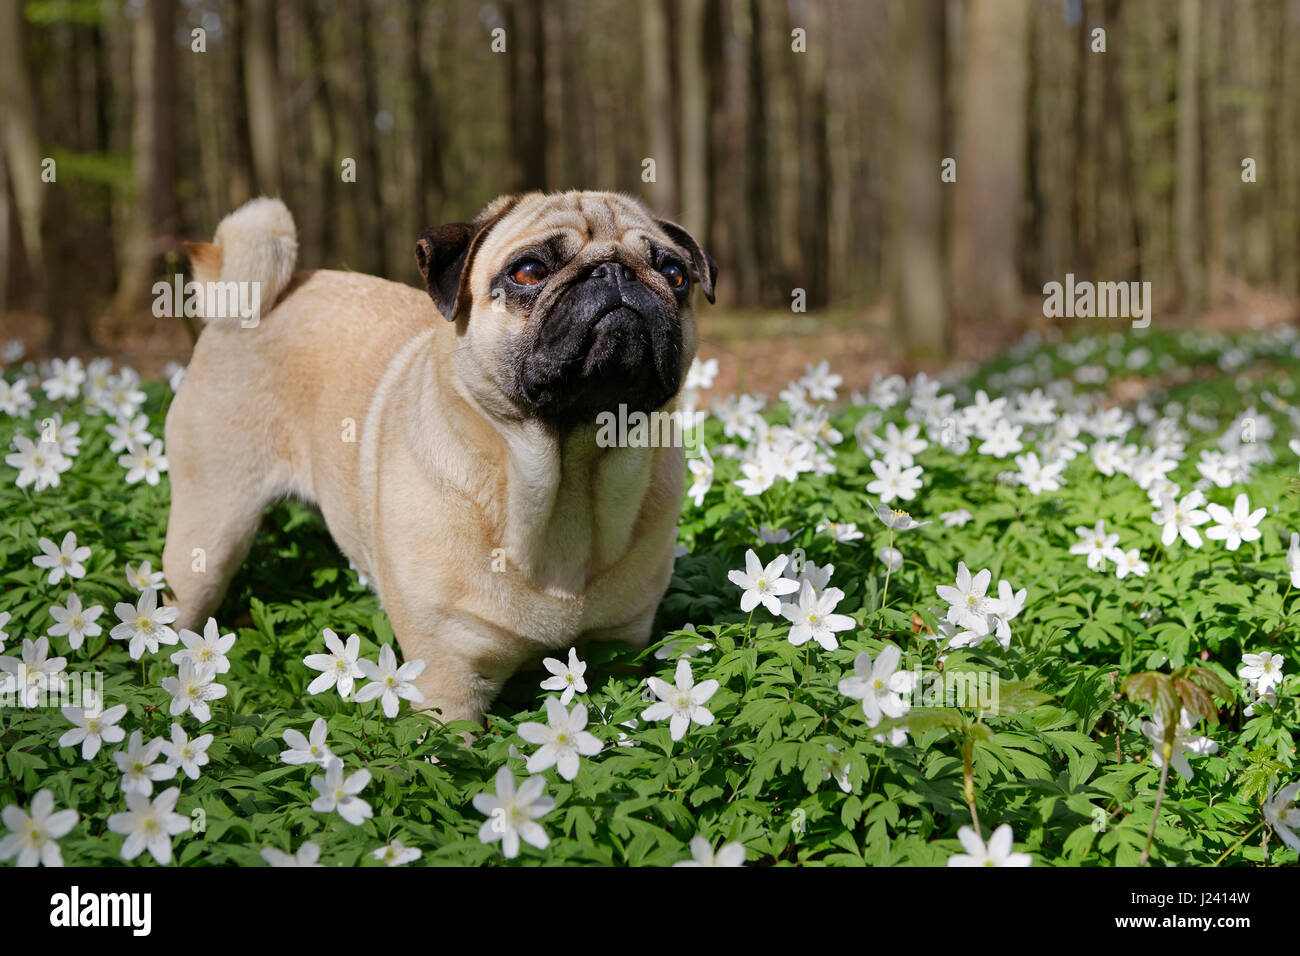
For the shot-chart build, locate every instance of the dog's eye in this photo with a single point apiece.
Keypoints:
(674, 274)
(530, 272)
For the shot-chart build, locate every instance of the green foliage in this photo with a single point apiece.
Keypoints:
(1060, 755)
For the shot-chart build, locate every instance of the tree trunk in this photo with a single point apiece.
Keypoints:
(527, 67)
(154, 220)
(655, 42)
(920, 302)
(264, 130)
(991, 159)
(22, 142)
(1188, 172)
(694, 88)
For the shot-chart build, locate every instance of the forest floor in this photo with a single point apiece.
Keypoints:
(757, 350)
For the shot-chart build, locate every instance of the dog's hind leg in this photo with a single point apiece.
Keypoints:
(218, 495)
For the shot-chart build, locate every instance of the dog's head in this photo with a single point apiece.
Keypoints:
(569, 304)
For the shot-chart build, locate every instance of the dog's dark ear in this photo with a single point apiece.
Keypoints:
(706, 272)
(445, 255)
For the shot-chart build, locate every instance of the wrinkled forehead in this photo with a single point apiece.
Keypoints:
(568, 223)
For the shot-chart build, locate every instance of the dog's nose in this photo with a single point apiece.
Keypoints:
(613, 271)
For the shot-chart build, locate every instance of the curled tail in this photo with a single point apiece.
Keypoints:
(256, 245)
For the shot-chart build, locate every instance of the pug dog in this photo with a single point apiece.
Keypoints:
(451, 445)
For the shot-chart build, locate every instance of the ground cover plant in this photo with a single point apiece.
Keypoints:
(1044, 614)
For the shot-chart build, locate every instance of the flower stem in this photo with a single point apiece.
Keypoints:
(888, 571)
(968, 781)
(1229, 850)
(1167, 752)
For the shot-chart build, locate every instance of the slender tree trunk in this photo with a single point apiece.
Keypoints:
(920, 302)
(527, 67)
(155, 219)
(656, 43)
(22, 142)
(694, 87)
(990, 174)
(262, 99)
(1187, 181)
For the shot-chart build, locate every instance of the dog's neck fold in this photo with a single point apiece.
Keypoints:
(570, 507)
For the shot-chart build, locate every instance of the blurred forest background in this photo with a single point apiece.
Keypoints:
(802, 140)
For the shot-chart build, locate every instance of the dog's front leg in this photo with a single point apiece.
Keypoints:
(466, 662)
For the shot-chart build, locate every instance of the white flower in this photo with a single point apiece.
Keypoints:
(308, 855)
(149, 826)
(74, 621)
(209, 650)
(1002, 440)
(14, 399)
(820, 382)
(92, 726)
(1182, 518)
(1039, 477)
(137, 765)
(341, 795)
(682, 646)
(968, 601)
(65, 437)
(763, 585)
(4, 635)
(65, 379)
(186, 754)
(900, 446)
(1292, 561)
(175, 373)
(845, 533)
(760, 475)
(563, 739)
(682, 704)
(1005, 609)
(308, 750)
(879, 686)
(1184, 744)
(1096, 544)
(34, 838)
(1280, 812)
(702, 468)
(65, 559)
(891, 558)
(1264, 670)
(729, 854)
(837, 768)
(997, 853)
(389, 682)
(123, 397)
(128, 432)
(144, 625)
(568, 678)
(338, 668)
(1237, 525)
(958, 518)
(512, 814)
(145, 577)
(812, 619)
(771, 535)
(192, 688)
(396, 854)
(40, 463)
(1129, 562)
(701, 374)
(893, 481)
(141, 462)
(896, 519)
(34, 673)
